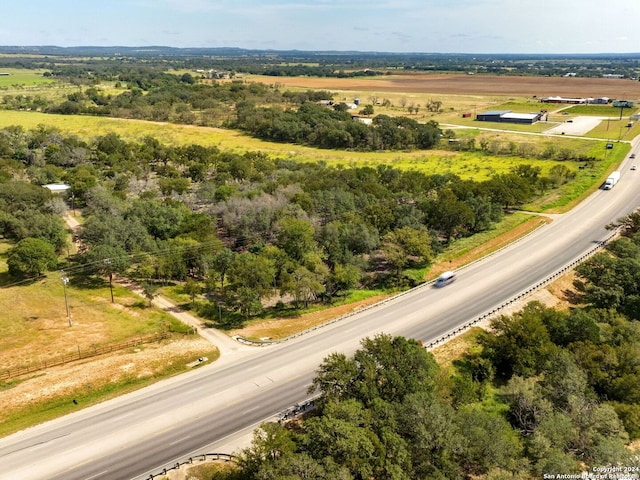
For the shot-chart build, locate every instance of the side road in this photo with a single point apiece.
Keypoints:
(225, 344)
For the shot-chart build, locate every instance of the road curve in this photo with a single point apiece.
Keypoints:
(132, 435)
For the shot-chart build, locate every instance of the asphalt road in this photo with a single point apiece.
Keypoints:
(143, 431)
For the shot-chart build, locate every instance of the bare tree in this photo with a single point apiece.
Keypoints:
(434, 105)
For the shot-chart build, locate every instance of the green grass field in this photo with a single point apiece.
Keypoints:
(616, 130)
(600, 110)
(21, 77)
(522, 106)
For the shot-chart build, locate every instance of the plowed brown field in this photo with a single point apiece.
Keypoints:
(475, 85)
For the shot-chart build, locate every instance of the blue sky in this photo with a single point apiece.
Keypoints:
(461, 26)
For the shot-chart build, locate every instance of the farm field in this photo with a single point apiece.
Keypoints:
(476, 85)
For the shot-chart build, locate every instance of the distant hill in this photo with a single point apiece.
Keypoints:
(157, 50)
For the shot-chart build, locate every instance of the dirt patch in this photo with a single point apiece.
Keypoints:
(452, 350)
(91, 374)
(473, 85)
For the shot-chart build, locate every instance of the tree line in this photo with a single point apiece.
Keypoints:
(151, 94)
(319, 126)
(87, 63)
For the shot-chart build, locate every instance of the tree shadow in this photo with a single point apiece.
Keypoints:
(576, 296)
(7, 280)
(83, 281)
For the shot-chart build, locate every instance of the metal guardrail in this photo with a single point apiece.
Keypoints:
(224, 457)
(462, 328)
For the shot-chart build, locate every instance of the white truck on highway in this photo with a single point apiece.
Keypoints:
(612, 180)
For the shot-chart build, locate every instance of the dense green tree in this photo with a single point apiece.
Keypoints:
(342, 434)
(296, 237)
(448, 215)
(31, 257)
(222, 261)
(162, 219)
(306, 286)
(385, 367)
(575, 326)
(32, 223)
(128, 233)
(407, 246)
(271, 442)
(433, 436)
(629, 415)
(504, 449)
(520, 344)
(343, 278)
(509, 189)
(251, 277)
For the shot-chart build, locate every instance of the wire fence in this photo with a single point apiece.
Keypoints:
(81, 354)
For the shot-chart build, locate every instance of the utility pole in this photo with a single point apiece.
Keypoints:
(65, 280)
(107, 262)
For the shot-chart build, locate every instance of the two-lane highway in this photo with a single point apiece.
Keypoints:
(134, 434)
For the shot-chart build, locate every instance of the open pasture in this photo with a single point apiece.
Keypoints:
(21, 77)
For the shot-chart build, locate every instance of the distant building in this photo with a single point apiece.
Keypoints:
(612, 75)
(508, 116)
(57, 187)
(563, 100)
(623, 103)
(366, 121)
(219, 74)
(635, 116)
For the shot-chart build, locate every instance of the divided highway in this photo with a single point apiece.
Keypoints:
(135, 434)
